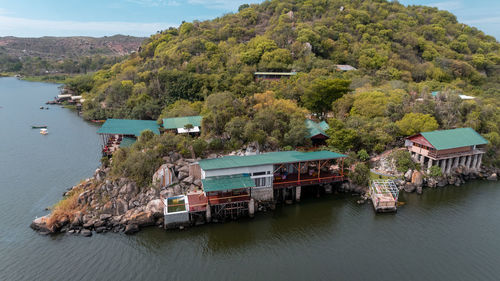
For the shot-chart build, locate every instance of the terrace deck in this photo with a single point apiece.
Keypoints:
(305, 179)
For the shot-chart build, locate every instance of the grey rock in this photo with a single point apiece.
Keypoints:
(492, 177)
(419, 189)
(131, 229)
(121, 207)
(409, 187)
(100, 229)
(86, 232)
(408, 174)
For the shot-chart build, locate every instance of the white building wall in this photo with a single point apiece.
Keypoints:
(236, 171)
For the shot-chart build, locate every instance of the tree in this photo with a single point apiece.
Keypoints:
(323, 92)
(361, 175)
(344, 139)
(413, 123)
(363, 155)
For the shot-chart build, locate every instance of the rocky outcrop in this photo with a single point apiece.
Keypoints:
(120, 205)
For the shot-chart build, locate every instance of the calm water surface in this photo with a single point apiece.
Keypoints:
(446, 234)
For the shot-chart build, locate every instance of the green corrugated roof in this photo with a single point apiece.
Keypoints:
(127, 142)
(454, 138)
(227, 182)
(266, 159)
(180, 122)
(315, 128)
(128, 127)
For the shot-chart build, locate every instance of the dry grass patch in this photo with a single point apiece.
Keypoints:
(66, 208)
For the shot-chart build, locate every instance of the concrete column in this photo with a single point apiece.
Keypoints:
(429, 165)
(474, 162)
(462, 161)
(251, 208)
(455, 162)
(443, 166)
(208, 214)
(467, 163)
(422, 160)
(297, 193)
(448, 165)
(480, 158)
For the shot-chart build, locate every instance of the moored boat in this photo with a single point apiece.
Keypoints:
(44, 131)
(38, 126)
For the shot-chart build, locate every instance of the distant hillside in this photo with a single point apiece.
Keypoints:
(49, 55)
(70, 47)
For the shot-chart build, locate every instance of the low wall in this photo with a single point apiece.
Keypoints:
(175, 219)
(262, 194)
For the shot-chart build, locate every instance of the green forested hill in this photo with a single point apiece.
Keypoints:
(402, 55)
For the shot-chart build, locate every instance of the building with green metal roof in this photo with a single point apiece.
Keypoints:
(179, 124)
(128, 127)
(448, 149)
(317, 131)
(270, 158)
(262, 173)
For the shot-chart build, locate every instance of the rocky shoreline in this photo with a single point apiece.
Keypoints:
(104, 205)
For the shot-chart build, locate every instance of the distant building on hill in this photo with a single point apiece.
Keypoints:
(344, 67)
(317, 131)
(272, 75)
(183, 125)
(447, 149)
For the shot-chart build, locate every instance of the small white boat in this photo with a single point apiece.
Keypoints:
(44, 131)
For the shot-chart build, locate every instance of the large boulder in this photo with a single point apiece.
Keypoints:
(417, 178)
(188, 179)
(182, 175)
(108, 208)
(40, 225)
(131, 229)
(155, 207)
(121, 207)
(409, 187)
(492, 177)
(142, 219)
(129, 189)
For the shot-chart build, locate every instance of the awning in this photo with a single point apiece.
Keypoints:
(224, 183)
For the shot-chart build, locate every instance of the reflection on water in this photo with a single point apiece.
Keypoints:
(449, 233)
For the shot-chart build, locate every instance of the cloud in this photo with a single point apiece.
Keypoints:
(483, 20)
(447, 5)
(24, 27)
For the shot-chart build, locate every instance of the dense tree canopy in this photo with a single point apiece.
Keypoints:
(402, 54)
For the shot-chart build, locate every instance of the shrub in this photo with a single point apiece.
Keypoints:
(361, 175)
(199, 146)
(403, 160)
(216, 144)
(435, 171)
(363, 155)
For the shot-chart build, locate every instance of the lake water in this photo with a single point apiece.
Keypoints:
(450, 233)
